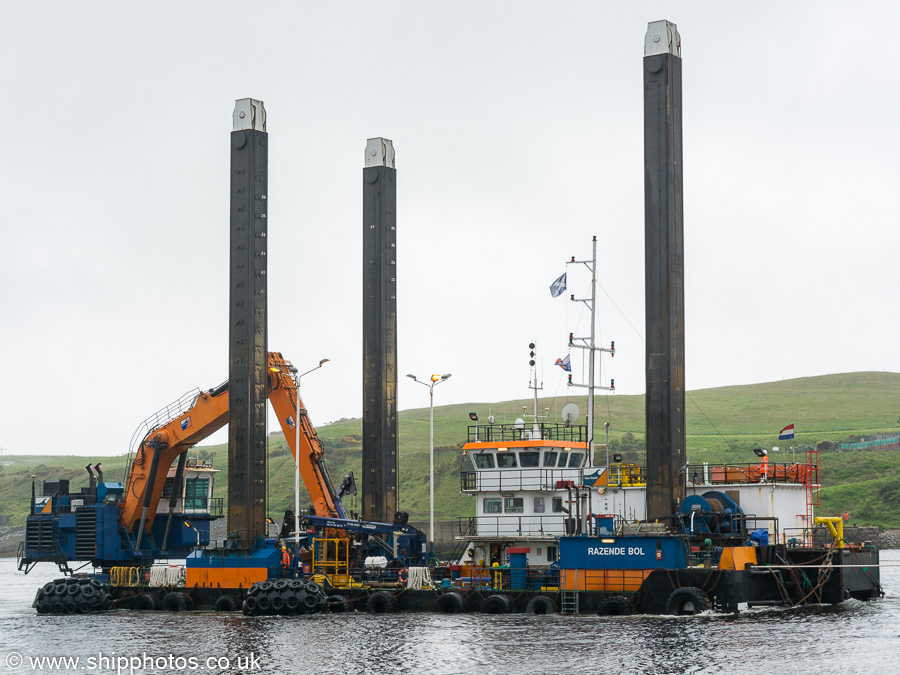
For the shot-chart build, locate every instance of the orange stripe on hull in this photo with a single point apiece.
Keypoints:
(602, 580)
(224, 577)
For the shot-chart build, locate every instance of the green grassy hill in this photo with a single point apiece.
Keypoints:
(723, 425)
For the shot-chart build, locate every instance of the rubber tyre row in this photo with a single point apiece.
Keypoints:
(72, 596)
(284, 597)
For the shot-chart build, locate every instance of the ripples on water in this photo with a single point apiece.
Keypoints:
(854, 637)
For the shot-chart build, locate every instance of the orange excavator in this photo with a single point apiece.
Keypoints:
(208, 413)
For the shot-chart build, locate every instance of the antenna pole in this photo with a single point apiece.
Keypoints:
(589, 343)
(590, 415)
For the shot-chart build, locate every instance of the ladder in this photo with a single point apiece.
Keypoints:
(568, 601)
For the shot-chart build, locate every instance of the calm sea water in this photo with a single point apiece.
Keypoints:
(854, 637)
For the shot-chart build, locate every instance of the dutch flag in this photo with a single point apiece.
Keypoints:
(787, 433)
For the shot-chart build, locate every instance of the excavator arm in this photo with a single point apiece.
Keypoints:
(209, 413)
(309, 455)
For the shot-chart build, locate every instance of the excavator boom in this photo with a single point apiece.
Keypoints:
(209, 412)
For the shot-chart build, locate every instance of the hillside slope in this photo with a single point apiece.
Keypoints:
(723, 425)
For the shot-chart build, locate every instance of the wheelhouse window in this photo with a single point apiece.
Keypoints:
(493, 505)
(558, 505)
(575, 459)
(196, 491)
(538, 504)
(551, 554)
(528, 460)
(550, 459)
(485, 461)
(513, 505)
(506, 460)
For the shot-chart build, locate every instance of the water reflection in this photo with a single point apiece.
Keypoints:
(852, 638)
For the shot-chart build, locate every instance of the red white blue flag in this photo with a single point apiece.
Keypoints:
(564, 364)
(787, 433)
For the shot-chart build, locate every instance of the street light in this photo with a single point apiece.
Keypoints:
(435, 379)
(297, 455)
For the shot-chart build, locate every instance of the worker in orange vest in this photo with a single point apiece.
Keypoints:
(285, 561)
(764, 468)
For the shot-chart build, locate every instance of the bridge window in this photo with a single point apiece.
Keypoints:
(493, 505)
(550, 458)
(538, 504)
(557, 505)
(514, 505)
(575, 459)
(196, 491)
(485, 461)
(506, 460)
(528, 460)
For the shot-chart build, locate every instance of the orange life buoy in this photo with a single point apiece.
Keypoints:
(404, 575)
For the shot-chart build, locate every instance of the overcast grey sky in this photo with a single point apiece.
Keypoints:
(518, 132)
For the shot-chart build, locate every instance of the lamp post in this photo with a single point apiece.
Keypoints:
(435, 379)
(297, 455)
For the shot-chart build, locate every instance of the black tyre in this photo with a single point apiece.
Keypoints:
(177, 602)
(263, 602)
(253, 590)
(60, 589)
(380, 602)
(615, 605)
(265, 585)
(143, 603)
(279, 585)
(277, 604)
(449, 603)
(84, 607)
(251, 606)
(496, 604)
(338, 604)
(96, 583)
(310, 602)
(69, 607)
(107, 601)
(88, 591)
(57, 608)
(226, 604)
(687, 600)
(49, 588)
(296, 584)
(292, 603)
(313, 587)
(541, 604)
(44, 607)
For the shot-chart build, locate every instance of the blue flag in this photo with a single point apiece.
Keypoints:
(558, 287)
(564, 364)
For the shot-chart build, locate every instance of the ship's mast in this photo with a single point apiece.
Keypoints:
(590, 344)
(535, 428)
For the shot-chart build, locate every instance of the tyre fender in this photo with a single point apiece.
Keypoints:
(615, 605)
(496, 604)
(226, 604)
(687, 600)
(177, 602)
(541, 604)
(381, 602)
(449, 603)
